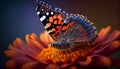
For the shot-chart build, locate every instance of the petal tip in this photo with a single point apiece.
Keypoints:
(11, 64)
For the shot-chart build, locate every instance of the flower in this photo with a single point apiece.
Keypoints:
(36, 53)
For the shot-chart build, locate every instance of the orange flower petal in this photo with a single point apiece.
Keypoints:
(10, 53)
(101, 61)
(34, 36)
(10, 47)
(29, 65)
(23, 47)
(103, 34)
(13, 51)
(112, 48)
(15, 43)
(11, 64)
(86, 62)
(34, 58)
(52, 66)
(17, 50)
(64, 65)
(106, 61)
(72, 67)
(45, 37)
(116, 44)
(114, 36)
(33, 43)
(20, 44)
(68, 66)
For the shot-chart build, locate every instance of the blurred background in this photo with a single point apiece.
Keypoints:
(18, 18)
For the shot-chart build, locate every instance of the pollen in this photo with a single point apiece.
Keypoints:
(64, 56)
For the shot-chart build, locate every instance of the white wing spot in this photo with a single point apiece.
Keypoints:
(42, 18)
(51, 13)
(47, 13)
(36, 8)
(42, 9)
(38, 13)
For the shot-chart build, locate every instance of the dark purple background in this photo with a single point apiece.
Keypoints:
(18, 18)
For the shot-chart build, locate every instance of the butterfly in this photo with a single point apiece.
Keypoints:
(67, 30)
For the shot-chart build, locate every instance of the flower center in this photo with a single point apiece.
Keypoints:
(65, 56)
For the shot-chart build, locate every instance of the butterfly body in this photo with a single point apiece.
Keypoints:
(67, 30)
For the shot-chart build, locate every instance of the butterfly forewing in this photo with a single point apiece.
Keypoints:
(52, 19)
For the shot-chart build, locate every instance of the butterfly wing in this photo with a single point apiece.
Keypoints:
(78, 29)
(52, 19)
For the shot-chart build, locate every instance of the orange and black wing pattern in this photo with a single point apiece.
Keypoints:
(52, 19)
(61, 25)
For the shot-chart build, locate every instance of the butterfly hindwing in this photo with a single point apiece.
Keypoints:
(78, 29)
(52, 19)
